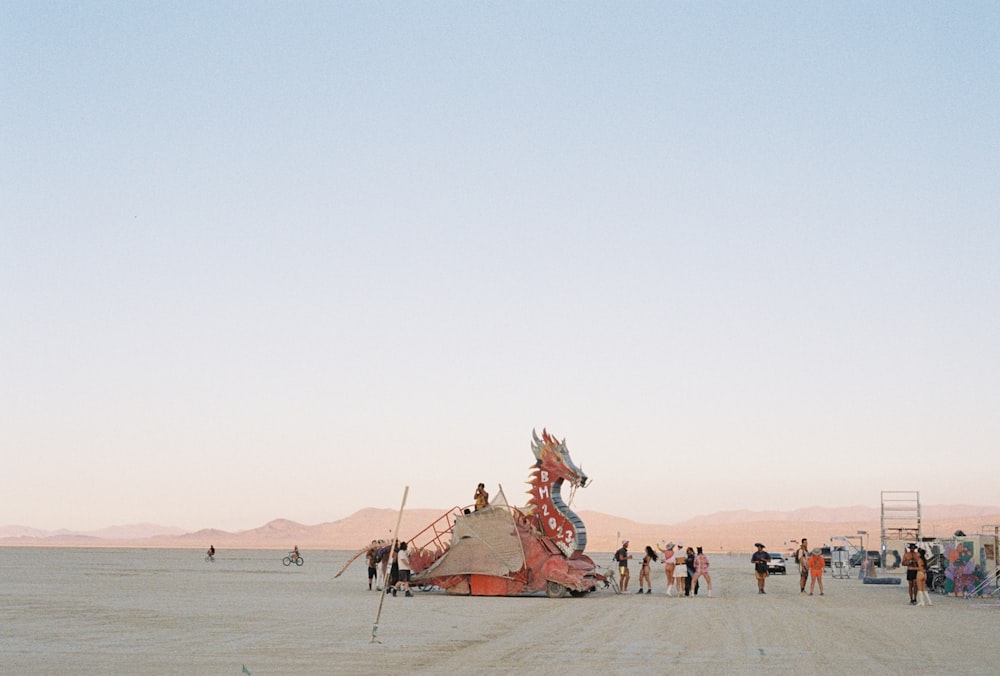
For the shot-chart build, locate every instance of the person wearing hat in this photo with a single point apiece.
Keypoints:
(816, 564)
(912, 562)
(680, 569)
(760, 559)
(668, 565)
(621, 558)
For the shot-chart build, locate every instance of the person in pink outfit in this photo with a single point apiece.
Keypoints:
(701, 571)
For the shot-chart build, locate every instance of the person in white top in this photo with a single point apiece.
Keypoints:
(403, 558)
(680, 569)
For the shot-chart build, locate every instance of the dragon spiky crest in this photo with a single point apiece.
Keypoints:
(553, 467)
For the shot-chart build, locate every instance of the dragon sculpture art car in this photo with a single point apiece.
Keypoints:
(502, 550)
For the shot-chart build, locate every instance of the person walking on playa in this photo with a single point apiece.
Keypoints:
(760, 559)
(816, 565)
(668, 565)
(621, 558)
(680, 569)
(644, 570)
(802, 558)
(701, 571)
(912, 562)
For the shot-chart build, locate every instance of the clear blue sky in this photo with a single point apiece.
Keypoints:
(282, 259)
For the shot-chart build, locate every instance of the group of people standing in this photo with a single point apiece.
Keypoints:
(810, 562)
(811, 565)
(396, 557)
(684, 569)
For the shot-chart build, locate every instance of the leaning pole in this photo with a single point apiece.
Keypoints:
(395, 539)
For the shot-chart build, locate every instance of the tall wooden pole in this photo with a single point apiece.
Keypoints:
(395, 538)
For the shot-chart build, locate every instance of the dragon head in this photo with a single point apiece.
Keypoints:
(554, 457)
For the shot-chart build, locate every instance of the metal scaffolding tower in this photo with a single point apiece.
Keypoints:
(901, 517)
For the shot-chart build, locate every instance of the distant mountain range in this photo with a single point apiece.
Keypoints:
(131, 531)
(722, 531)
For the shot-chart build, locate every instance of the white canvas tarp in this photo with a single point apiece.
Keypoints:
(483, 542)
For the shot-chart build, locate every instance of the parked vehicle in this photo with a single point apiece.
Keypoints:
(777, 564)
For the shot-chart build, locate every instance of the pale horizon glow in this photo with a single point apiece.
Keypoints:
(279, 261)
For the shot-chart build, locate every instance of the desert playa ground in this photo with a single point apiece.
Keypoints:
(856, 627)
(101, 611)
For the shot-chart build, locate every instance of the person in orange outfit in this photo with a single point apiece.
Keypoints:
(816, 565)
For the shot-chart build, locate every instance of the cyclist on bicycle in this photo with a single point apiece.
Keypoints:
(294, 554)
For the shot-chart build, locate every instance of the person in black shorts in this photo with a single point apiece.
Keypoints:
(912, 562)
(403, 561)
(760, 559)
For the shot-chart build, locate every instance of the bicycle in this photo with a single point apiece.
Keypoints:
(609, 575)
(298, 560)
(937, 579)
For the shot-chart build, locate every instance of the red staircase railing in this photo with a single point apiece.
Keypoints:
(431, 538)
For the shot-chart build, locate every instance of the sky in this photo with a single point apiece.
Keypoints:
(282, 260)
